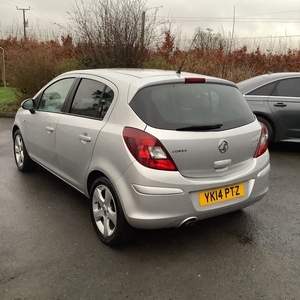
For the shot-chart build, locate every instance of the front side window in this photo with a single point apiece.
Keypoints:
(176, 106)
(92, 99)
(54, 96)
(287, 88)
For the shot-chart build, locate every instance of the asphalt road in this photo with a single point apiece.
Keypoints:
(48, 248)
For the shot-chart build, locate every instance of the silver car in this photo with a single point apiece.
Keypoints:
(150, 148)
(275, 99)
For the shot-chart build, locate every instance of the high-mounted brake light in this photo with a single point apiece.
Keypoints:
(262, 143)
(194, 80)
(148, 150)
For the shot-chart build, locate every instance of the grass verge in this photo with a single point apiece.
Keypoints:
(8, 97)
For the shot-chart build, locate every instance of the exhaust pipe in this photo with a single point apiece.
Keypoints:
(189, 222)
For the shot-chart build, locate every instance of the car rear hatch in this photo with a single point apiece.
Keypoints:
(210, 154)
(207, 128)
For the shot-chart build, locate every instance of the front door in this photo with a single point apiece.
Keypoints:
(41, 126)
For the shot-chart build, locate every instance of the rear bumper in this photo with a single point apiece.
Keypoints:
(159, 199)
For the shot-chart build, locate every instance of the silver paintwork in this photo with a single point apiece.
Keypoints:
(169, 210)
(74, 147)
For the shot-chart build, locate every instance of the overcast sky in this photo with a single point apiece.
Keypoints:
(255, 18)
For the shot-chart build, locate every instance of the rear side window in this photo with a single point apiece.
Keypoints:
(288, 88)
(265, 90)
(92, 99)
(175, 106)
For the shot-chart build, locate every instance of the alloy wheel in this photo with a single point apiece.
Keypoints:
(19, 151)
(104, 210)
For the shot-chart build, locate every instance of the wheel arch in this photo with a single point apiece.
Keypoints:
(270, 121)
(14, 129)
(92, 177)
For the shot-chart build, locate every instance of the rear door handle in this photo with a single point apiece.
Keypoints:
(280, 104)
(84, 138)
(49, 129)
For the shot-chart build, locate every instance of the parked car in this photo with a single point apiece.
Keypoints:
(150, 148)
(275, 99)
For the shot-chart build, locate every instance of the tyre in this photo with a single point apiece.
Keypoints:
(270, 131)
(107, 214)
(23, 161)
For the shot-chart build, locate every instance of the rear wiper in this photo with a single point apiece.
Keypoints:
(200, 127)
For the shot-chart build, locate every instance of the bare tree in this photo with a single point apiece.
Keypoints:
(206, 40)
(114, 33)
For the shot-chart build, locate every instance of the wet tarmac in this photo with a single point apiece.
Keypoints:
(48, 248)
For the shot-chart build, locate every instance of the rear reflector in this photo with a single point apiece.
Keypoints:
(263, 142)
(148, 150)
(194, 80)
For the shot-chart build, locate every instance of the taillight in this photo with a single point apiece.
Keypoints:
(148, 150)
(194, 80)
(263, 142)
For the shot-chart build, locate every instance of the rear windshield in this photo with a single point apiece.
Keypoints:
(180, 105)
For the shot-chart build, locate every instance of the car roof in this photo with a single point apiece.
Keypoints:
(142, 75)
(257, 81)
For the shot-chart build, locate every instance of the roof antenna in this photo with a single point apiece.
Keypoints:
(179, 70)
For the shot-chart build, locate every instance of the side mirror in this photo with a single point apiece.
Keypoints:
(29, 104)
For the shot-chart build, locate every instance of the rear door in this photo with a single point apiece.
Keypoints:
(285, 105)
(258, 98)
(77, 131)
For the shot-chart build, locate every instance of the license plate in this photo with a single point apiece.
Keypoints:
(221, 194)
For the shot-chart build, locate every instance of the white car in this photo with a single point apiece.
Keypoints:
(150, 148)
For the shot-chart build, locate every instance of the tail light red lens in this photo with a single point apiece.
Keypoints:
(263, 142)
(148, 150)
